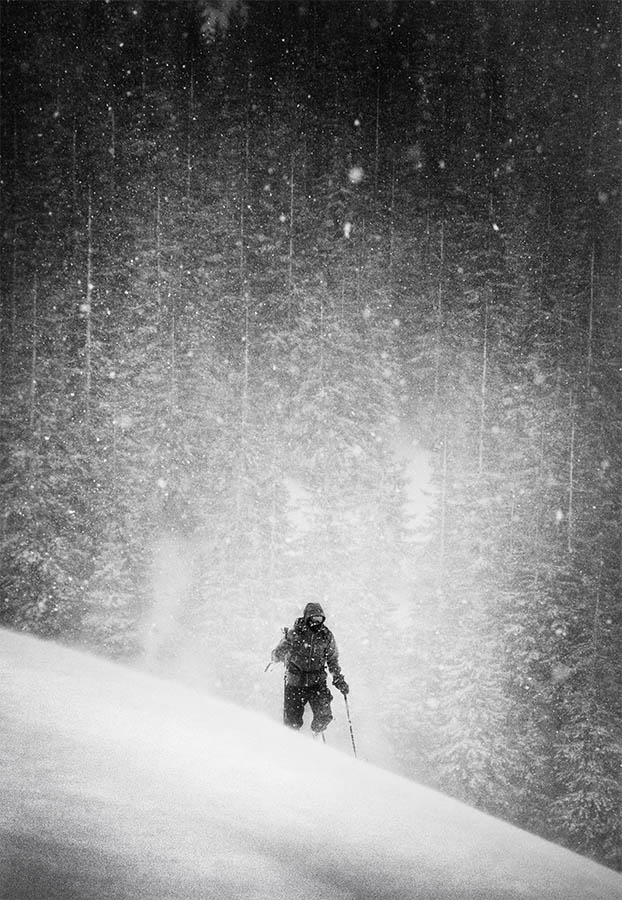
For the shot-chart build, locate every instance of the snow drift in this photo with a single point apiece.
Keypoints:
(116, 785)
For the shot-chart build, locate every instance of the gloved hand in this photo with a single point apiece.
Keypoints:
(341, 684)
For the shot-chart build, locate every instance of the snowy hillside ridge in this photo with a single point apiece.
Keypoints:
(120, 785)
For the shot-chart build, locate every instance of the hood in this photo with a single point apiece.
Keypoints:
(313, 609)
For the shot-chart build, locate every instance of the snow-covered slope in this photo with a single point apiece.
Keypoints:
(114, 784)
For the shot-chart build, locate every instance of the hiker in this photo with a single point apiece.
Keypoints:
(307, 650)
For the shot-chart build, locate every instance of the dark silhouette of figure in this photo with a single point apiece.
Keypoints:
(308, 650)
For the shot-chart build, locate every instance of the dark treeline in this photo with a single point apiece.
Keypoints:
(245, 270)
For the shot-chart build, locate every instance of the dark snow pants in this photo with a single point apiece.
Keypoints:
(317, 696)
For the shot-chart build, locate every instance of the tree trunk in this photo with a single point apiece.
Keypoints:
(482, 409)
(189, 136)
(571, 475)
(590, 333)
(439, 316)
(290, 256)
(443, 510)
(88, 315)
(33, 355)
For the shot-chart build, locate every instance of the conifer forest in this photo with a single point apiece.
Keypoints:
(312, 300)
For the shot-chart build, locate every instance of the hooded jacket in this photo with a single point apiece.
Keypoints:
(307, 652)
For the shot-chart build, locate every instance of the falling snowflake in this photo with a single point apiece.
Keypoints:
(356, 174)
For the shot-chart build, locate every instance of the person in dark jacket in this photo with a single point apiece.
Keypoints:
(308, 650)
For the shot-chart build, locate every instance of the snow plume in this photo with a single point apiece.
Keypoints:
(115, 783)
(302, 511)
(414, 461)
(171, 581)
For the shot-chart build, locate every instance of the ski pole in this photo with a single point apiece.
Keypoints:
(350, 724)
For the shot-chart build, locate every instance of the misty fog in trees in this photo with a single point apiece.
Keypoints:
(321, 301)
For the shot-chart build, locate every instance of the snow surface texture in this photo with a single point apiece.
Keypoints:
(116, 784)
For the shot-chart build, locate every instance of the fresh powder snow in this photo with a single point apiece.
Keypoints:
(117, 785)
